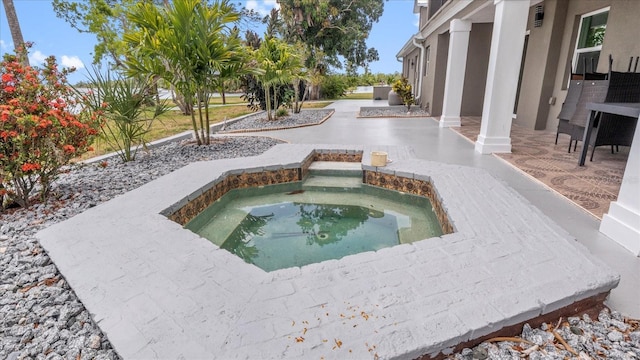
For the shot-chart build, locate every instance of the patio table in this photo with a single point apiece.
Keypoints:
(624, 109)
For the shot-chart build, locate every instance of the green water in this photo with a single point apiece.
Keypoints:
(281, 226)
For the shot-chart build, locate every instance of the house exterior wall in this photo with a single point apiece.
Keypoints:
(424, 14)
(476, 69)
(411, 72)
(540, 65)
(439, 74)
(620, 41)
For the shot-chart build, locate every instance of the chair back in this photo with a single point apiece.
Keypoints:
(616, 129)
(592, 91)
(623, 87)
(570, 102)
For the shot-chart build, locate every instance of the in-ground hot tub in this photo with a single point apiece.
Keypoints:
(157, 289)
(328, 215)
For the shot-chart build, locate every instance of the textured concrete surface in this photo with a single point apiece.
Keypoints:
(430, 142)
(160, 291)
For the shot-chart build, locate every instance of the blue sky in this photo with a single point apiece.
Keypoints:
(53, 36)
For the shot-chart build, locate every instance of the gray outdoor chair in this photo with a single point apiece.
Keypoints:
(592, 91)
(568, 109)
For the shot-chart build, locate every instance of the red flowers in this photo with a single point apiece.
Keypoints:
(38, 134)
(30, 167)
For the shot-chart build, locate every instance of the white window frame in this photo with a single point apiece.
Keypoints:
(576, 51)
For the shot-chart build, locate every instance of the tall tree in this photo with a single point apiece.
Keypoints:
(338, 28)
(14, 27)
(106, 19)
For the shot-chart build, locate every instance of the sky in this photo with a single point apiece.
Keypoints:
(53, 36)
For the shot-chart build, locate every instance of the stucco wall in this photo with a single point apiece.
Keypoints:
(620, 40)
(540, 65)
(439, 73)
(410, 71)
(475, 77)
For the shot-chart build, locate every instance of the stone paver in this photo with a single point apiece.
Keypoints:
(160, 291)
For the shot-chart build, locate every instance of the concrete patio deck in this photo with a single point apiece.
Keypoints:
(160, 291)
(444, 145)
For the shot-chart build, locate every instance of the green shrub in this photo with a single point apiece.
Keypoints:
(282, 112)
(403, 89)
(333, 87)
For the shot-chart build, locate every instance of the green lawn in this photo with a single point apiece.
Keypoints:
(173, 122)
(358, 96)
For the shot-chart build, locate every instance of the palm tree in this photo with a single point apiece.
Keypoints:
(280, 64)
(14, 27)
(186, 44)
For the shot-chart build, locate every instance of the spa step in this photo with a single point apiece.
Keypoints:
(338, 182)
(335, 168)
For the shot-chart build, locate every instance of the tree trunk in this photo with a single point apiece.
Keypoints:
(14, 27)
(224, 97)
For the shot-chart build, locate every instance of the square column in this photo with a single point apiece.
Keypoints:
(456, 65)
(622, 222)
(507, 43)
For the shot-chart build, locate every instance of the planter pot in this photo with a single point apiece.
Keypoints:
(394, 99)
(378, 158)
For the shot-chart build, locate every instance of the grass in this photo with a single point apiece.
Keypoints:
(358, 96)
(231, 100)
(173, 122)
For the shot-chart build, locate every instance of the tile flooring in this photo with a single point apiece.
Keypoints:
(591, 187)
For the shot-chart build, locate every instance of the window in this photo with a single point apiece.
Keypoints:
(589, 42)
(427, 54)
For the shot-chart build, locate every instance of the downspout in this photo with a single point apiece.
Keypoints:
(422, 60)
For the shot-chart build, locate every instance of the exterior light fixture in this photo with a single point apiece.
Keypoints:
(538, 16)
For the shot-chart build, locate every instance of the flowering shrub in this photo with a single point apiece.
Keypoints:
(39, 133)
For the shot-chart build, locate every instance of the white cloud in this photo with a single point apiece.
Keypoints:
(416, 21)
(37, 58)
(3, 45)
(71, 61)
(262, 7)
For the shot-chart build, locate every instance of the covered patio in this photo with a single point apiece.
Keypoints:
(508, 63)
(534, 152)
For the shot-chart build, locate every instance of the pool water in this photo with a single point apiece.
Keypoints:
(296, 224)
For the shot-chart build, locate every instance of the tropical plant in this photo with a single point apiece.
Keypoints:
(39, 130)
(403, 89)
(279, 64)
(126, 106)
(186, 44)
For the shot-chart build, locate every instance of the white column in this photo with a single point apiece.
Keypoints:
(456, 65)
(622, 223)
(507, 43)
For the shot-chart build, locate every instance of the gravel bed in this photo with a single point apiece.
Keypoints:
(42, 318)
(392, 111)
(259, 121)
(611, 336)
(40, 315)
